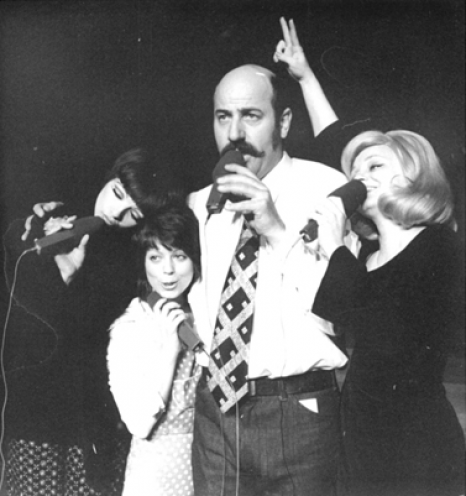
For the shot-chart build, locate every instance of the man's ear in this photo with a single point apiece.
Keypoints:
(285, 122)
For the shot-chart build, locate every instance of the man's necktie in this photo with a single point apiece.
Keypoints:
(228, 365)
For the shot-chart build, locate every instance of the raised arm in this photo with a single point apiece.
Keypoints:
(290, 52)
(68, 263)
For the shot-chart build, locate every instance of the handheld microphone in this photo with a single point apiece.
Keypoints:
(185, 330)
(67, 239)
(217, 200)
(352, 194)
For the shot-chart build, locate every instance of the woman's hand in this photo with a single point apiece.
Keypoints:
(331, 219)
(290, 52)
(169, 316)
(69, 263)
(55, 224)
(40, 210)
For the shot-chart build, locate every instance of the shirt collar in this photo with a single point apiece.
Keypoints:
(275, 179)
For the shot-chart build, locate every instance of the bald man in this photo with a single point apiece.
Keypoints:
(277, 431)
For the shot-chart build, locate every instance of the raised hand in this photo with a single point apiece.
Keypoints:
(169, 317)
(55, 224)
(39, 209)
(331, 218)
(258, 202)
(69, 263)
(290, 52)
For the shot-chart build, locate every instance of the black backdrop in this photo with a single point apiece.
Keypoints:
(83, 81)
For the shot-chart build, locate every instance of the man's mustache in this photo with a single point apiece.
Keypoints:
(244, 148)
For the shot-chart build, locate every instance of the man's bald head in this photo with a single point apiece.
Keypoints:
(245, 117)
(262, 75)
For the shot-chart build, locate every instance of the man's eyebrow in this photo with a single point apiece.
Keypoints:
(243, 110)
(250, 109)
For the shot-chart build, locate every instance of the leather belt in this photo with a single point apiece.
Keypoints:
(309, 382)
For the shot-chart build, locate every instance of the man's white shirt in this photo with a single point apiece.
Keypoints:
(287, 338)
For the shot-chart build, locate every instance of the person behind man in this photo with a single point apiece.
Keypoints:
(62, 428)
(266, 414)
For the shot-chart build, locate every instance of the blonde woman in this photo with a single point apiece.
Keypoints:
(401, 435)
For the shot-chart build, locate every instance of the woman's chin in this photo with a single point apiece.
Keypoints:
(170, 294)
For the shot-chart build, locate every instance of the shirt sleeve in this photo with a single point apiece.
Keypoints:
(329, 144)
(339, 286)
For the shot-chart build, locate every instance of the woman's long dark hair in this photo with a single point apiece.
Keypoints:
(149, 181)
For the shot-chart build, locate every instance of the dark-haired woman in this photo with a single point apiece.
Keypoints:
(152, 378)
(62, 434)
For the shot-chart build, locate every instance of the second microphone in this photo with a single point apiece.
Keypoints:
(352, 194)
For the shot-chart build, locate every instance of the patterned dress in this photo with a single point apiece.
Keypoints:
(159, 464)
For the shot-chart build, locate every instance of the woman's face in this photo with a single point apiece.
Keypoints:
(116, 207)
(169, 272)
(379, 168)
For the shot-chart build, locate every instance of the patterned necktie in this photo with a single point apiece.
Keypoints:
(228, 365)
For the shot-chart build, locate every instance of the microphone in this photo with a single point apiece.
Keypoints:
(185, 330)
(67, 239)
(217, 200)
(352, 194)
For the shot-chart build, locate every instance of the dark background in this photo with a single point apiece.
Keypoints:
(84, 81)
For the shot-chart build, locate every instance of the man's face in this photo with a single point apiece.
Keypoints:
(244, 119)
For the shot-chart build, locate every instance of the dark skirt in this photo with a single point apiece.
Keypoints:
(401, 443)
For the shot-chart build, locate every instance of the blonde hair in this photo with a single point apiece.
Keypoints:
(426, 198)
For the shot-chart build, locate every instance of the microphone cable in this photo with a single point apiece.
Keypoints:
(237, 433)
(221, 421)
(11, 290)
(2, 364)
(237, 415)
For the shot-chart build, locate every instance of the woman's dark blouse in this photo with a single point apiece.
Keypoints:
(401, 435)
(56, 337)
(402, 313)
